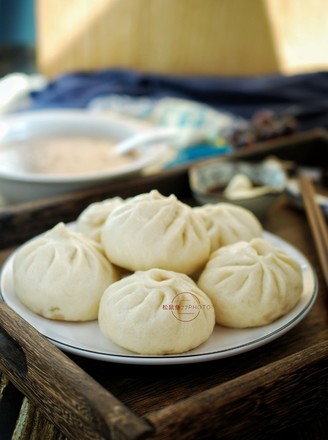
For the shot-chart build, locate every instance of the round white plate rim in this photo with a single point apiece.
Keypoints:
(271, 332)
(92, 119)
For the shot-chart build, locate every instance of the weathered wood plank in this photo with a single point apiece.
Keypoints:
(283, 382)
(32, 425)
(10, 403)
(65, 394)
(270, 399)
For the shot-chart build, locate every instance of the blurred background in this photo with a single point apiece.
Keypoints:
(227, 74)
(225, 37)
(17, 36)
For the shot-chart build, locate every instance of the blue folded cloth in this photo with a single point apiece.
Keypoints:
(304, 96)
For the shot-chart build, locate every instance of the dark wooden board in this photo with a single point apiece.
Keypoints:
(281, 387)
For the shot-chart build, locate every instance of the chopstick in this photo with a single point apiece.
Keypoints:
(316, 221)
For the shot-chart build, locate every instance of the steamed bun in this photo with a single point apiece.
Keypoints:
(227, 223)
(154, 231)
(62, 275)
(92, 218)
(251, 283)
(156, 312)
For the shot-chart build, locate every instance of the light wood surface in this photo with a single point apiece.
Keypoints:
(190, 37)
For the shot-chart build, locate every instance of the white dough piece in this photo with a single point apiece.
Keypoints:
(241, 187)
(227, 224)
(62, 275)
(251, 283)
(156, 312)
(92, 218)
(239, 182)
(154, 231)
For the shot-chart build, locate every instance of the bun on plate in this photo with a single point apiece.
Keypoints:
(154, 231)
(156, 312)
(227, 223)
(251, 283)
(62, 275)
(92, 218)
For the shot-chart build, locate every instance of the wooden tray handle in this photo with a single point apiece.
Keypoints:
(69, 397)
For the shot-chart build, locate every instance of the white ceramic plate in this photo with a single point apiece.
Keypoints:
(18, 185)
(85, 339)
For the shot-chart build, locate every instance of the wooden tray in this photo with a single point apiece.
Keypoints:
(278, 388)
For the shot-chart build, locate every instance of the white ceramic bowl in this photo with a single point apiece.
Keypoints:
(20, 184)
(209, 178)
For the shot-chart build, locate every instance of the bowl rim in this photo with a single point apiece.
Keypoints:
(36, 122)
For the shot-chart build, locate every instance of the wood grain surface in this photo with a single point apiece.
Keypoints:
(281, 387)
(276, 385)
(60, 387)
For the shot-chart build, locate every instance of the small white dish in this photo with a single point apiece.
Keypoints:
(209, 180)
(86, 339)
(26, 152)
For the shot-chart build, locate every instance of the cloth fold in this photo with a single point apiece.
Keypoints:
(304, 96)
